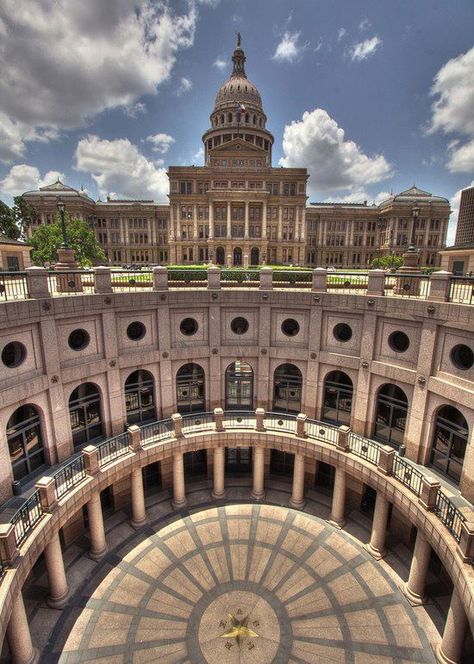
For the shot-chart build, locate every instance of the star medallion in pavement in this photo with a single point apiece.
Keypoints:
(238, 630)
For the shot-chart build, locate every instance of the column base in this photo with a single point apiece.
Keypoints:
(218, 496)
(413, 598)
(296, 504)
(58, 602)
(257, 496)
(179, 505)
(98, 555)
(336, 524)
(375, 553)
(442, 659)
(136, 525)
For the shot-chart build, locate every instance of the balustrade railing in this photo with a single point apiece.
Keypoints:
(407, 285)
(112, 448)
(347, 282)
(126, 281)
(292, 279)
(461, 290)
(248, 278)
(13, 286)
(73, 472)
(187, 278)
(69, 476)
(71, 282)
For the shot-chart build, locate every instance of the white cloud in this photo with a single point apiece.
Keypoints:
(453, 220)
(360, 196)
(61, 63)
(364, 24)
(135, 110)
(185, 85)
(198, 156)
(317, 142)
(23, 177)
(161, 142)
(364, 49)
(220, 63)
(452, 111)
(118, 166)
(288, 50)
(341, 33)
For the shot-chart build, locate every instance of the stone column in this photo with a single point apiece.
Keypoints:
(264, 220)
(138, 499)
(297, 495)
(338, 499)
(376, 546)
(218, 491)
(18, 635)
(258, 491)
(414, 588)
(246, 221)
(280, 224)
(179, 491)
(229, 221)
(58, 588)
(96, 528)
(195, 223)
(450, 649)
(211, 221)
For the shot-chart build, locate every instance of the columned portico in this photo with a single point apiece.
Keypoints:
(376, 546)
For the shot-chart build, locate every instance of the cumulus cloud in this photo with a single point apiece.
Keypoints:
(341, 33)
(185, 85)
(118, 166)
(364, 24)
(452, 111)
(360, 196)
(161, 142)
(288, 50)
(61, 63)
(23, 177)
(337, 164)
(220, 63)
(364, 49)
(453, 220)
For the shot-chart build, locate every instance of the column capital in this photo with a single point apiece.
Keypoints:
(47, 493)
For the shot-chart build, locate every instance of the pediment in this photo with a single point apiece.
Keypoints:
(238, 147)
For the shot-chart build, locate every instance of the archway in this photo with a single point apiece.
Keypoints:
(84, 414)
(237, 256)
(337, 399)
(449, 442)
(220, 256)
(190, 389)
(254, 256)
(25, 441)
(139, 397)
(287, 387)
(390, 415)
(239, 386)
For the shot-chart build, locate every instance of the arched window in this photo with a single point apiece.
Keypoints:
(222, 119)
(84, 413)
(390, 415)
(254, 120)
(247, 118)
(139, 397)
(254, 256)
(25, 442)
(220, 256)
(229, 117)
(287, 382)
(449, 442)
(337, 401)
(190, 389)
(237, 256)
(239, 386)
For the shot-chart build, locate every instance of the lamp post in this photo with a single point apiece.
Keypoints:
(60, 206)
(415, 212)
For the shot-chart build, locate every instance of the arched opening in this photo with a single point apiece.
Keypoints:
(337, 400)
(237, 256)
(239, 386)
(222, 119)
(254, 256)
(139, 397)
(229, 117)
(449, 442)
(84, 413)
(220, 256)
(190, 389)
(390, 415)
(287, 384)
(254, 120)
(25, 441)
(246, 118)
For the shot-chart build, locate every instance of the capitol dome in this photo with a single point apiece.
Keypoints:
(238, 89)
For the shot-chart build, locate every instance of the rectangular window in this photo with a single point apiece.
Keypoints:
(186, 187)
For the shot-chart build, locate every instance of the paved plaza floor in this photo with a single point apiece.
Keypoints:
(239, 583)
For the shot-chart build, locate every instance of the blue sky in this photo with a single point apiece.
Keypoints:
(370, 96)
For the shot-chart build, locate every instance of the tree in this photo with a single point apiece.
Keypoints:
(387, 262)
(24, 213)
(8, 225)
(47, 239)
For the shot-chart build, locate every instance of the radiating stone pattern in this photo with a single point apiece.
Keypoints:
(312, 595)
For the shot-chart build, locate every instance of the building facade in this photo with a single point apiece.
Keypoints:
(238, 209)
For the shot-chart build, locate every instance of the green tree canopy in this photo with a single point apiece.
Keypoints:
(47, 239)
(387, 262)
(8, 225)
(24, 213)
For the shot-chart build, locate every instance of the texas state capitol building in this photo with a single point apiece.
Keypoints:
(239, 210)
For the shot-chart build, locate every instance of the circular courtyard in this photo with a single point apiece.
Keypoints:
(239, 584)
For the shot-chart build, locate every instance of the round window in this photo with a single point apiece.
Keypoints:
(136, 330)
(13, 354)
(342, 332)
(79, 339)
(290, 327)
(239, 325)
(188, 326)
(462, 357)
(398, 341)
